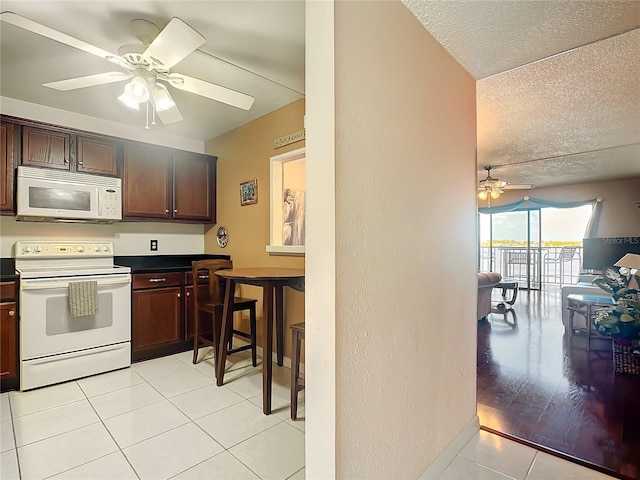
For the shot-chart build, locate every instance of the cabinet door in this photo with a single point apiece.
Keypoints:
(146, 182)
(6, 167)
(8, 354)
(97, 155)
(45, 148)
(206, 322)
(156, 318)
(194, 187)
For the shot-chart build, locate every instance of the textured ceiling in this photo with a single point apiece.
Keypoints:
(558, 91)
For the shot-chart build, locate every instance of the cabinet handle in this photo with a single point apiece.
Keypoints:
(156, 280)
(203, 277)
(178, 295)
(166, 211)
(79, 163)
(12, 313)
(188, 294)
(175, 211)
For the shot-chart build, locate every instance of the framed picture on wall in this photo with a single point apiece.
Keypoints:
(249, 192)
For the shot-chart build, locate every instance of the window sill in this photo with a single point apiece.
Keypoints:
(292, 250)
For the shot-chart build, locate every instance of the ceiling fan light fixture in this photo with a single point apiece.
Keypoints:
(161, 97)
(129, 101)
(482, 195)
(138, 89)
(495, 194)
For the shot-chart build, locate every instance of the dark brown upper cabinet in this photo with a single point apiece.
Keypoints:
(45, 148)
(167, 184)
(7, 167)
(194, 187)
(98, 155)
(146, 189)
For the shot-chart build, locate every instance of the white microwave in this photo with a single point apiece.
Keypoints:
(61, 196)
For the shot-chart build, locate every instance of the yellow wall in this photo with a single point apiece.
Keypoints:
(243, 154)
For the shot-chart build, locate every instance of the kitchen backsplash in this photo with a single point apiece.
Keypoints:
(129, 238)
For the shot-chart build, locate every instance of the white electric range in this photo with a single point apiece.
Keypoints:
(54, 345)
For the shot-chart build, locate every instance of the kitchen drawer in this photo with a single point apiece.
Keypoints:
(156, 280)
(7, 291)
(188, 279)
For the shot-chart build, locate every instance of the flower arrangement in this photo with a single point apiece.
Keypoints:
(622, 320)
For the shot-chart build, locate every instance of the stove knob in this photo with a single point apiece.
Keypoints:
(37, 250)
(26, 249)
(96, 249)
(80, 249)
(105, 248)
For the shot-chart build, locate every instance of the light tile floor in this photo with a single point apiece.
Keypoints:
(165, 418)
(491, 457)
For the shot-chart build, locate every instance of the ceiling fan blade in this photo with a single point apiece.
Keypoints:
(173, 43)
(172, 115)
(211, 90)
(510, 186)
(88, 81)
(30, 25)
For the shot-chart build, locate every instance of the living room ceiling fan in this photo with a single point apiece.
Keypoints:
(491, 188)
(147, 65)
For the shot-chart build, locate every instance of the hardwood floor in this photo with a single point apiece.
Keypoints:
(532, 386)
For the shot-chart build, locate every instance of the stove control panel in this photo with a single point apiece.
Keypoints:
(62, 249)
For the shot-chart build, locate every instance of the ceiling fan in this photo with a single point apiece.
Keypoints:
(492, 188)
(147, 65)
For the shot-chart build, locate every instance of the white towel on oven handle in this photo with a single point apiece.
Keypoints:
(83, 298)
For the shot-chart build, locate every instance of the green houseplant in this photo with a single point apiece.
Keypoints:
(622, 320)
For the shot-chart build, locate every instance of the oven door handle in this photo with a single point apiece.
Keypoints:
(51, 283)
(79, 353)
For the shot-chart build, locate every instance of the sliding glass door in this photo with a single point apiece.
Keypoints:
(537, 247)
(510, 244)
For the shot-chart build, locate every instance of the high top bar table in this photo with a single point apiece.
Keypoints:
(272, 280)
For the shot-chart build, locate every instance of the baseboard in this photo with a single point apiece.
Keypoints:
(440, 464)
(286, 361)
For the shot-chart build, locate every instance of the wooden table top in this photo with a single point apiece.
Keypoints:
(262, 273)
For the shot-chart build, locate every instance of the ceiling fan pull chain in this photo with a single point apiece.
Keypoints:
(153, 113)
(147, 117)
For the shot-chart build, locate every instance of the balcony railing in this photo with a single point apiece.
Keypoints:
(548, 265)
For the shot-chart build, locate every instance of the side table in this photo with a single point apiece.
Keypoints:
(508, 284)
(587, 306)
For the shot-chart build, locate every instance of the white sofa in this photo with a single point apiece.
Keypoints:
(584, 286)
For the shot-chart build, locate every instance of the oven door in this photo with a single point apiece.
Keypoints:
(47, 327)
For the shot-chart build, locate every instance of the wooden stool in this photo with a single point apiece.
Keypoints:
(297, 382)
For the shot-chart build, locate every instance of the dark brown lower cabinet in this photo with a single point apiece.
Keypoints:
(162, 315)
(157, 321)
(9, 378)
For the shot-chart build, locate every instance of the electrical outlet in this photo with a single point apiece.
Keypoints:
(154, 245)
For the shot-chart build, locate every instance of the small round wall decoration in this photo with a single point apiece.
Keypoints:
(222, 237)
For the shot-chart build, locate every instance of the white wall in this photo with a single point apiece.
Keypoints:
(129, 238)
(404, 276)
(320, 248)
(54, 116)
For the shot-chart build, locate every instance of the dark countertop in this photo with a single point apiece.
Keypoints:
(162, 263)
(8, 269)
